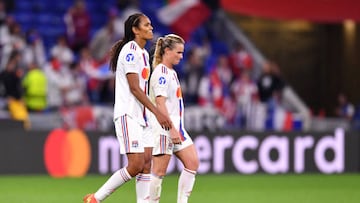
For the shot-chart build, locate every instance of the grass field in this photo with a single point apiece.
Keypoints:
(230, 188)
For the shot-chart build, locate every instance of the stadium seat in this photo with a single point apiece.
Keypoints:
(24, 6)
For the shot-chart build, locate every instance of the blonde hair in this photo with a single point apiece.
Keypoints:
(162, 43)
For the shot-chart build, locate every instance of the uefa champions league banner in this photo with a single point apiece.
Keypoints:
(74, 153)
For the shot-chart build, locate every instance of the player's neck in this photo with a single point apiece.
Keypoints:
(168, 65)
(140, 42)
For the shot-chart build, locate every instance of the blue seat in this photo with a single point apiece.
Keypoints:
(24, 17)
(24, 5)
(43, 18)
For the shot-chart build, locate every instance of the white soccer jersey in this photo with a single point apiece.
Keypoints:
(132, 59)
(164, 82)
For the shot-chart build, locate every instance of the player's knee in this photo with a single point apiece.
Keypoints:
(135, 168)
(139, 168)
(192, 164)
(195, 164)
(159, 173)
(147, 167)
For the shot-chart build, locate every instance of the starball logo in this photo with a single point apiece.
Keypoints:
(67, 153)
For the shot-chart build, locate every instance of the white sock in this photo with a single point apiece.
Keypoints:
(155, 188)
(143, 187)
(185, 185)
(115, 181)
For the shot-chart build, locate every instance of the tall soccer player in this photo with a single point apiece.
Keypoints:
(130, 63)
(165, 92)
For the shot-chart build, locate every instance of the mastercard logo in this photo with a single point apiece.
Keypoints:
(145, 73)
(67, 153)
(178, 93)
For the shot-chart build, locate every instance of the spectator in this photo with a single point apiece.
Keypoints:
(78, 25)
(104, 38)
(4, 35)
(17, 38)
(244, 91)
(11, 39)
(75, 87)
(214, 90)
(99, 77)
(270, 84)
(11, 79)
(240, 59)
(193, 72)
(62, 51)
(220, 79)
(345, 109)
(35, 88)
(3, 12)
(204, 48)
(126, 8)
(34, 51)
(56, 74)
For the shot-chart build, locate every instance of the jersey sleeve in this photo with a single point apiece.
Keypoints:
(160, 82)
(130, 60)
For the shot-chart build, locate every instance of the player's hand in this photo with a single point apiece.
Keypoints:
(176, 140)
(164, 121)
(175, 136)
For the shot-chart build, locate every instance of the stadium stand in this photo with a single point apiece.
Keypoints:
(220, 33)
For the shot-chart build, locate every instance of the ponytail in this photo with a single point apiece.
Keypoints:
(162, 43)
(158, 52)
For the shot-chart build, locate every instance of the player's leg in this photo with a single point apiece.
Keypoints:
(162, 152)
(160, 164)
(135, 165)
(189, 158)
(143, 179)
(129, 134)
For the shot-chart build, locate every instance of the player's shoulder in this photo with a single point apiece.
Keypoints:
(161, 69)
(130, 47)
(129, 52)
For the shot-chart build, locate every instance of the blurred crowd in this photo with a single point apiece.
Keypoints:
(73, 73)
(229, 88)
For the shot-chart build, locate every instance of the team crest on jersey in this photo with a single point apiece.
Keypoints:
(135, 144)
(129, 57)
(162, 81)
(170, 146)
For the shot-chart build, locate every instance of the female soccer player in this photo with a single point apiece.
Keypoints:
(165, 92)
(130, 63)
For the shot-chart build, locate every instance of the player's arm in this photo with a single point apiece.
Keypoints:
(133, 80)
(161, 105)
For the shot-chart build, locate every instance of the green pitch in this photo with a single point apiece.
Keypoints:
(230, 188)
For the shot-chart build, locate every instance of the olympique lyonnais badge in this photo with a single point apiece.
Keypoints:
(135, 144)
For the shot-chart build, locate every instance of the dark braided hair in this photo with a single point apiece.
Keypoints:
(131, 21)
